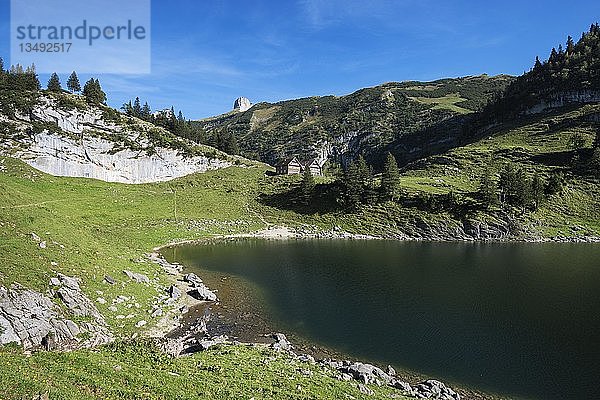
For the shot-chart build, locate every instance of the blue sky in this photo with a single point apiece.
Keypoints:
(207, 53)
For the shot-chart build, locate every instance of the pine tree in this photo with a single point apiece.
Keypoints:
(54, 83)
(137, 108)
(508, 183)
(365, 177)
(570, 45)
(488, 190)
(538, 63)
(73, 83)
(390, 179)
(523, 194)
(352, 188)
(1, 65)
(146, 112)
(307, 187)
(127, 108)
(93, 92)
(553, 56)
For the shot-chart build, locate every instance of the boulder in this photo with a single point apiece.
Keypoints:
(203, 293)
(174, 292)
(365, 390)
(366, 373)
(77, 302)
(109, 279)
(207, 344)
(281, 342)
(192, 279)
(432, 389)
(139, 278)
(141, 323)
(28, 317)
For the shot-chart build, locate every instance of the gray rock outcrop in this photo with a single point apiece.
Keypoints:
(281, 342)
(90, 145)
(432, 389)
(201, 292)
(32, 319)
(242, 104)
(135, 276)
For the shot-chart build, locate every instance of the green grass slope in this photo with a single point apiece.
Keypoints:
(137, 370)
(367, 120)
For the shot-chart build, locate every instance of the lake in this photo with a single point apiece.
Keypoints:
(521, 319)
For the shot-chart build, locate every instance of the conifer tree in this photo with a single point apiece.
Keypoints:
(307, 187)
(352, 188)
(146, 112)
(93, 92)
(73, 83)
(390, 179)
(523, 194)
(137, 108)
(127, 108)
(570, 45)
(538, 63)
(54, 83)
(1, 65)
(508, 183)
(488, 190)
(365, 177)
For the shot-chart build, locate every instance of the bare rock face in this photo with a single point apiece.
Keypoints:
(242, 104)
(32, 319)
(85, 149)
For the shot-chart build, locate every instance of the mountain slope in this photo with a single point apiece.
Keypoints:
(61, 134)
(341, 128)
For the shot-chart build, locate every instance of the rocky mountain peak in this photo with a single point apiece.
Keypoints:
(242, 104)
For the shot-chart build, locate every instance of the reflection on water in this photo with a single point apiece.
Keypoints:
(513, 318)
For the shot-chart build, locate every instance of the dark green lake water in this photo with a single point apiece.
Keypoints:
(519, 319)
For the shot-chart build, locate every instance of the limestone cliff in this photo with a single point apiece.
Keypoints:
(78, 140)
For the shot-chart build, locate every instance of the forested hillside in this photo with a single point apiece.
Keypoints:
(364, 122)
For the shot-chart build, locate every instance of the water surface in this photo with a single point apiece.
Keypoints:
(521, 319)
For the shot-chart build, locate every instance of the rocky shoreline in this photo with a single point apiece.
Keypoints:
(312, 232)
(177, 340)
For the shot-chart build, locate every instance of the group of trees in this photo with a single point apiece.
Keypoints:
(73, 84)
(136, 109)
(19, 78)
(357, 186)
(570, 67)
(517, 188)
(92, 90)
(168, 119)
